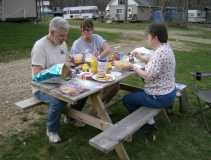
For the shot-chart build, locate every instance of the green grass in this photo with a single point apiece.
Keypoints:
(17, 39)
(185, 138)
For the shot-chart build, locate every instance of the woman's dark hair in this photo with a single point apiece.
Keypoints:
(87, 23)
(159, 30)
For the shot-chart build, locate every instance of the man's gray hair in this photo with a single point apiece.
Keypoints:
(59, 24)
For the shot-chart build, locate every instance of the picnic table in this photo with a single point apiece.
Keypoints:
(112, 135)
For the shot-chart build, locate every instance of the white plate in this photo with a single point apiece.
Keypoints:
(111, 78)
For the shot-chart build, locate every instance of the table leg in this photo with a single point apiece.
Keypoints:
(102, 113)
(183, 102)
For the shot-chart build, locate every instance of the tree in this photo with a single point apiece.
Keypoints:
(163, 4)
(126, 9)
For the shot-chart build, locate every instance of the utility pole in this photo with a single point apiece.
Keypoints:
(126, 9)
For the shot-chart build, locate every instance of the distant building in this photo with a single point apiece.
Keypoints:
(18, 9)
(138, 10)
(196, 16)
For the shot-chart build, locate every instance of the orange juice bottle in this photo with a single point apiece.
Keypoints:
(93, 64)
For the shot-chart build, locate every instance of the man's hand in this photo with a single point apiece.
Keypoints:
(36, 69)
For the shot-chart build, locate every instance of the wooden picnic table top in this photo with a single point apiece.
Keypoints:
(93, 86)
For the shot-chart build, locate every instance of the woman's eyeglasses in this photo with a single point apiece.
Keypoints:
(87, 30)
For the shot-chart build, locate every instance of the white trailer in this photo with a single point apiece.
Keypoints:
(80, 12)
(18, 9)
(196, 16)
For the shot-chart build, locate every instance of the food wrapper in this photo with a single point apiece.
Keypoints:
(54, 71)
(73, 88)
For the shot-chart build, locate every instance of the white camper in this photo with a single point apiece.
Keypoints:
(80, 12)
(18, 9)
(196, 16)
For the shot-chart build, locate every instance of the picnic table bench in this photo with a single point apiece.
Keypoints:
(110, 137)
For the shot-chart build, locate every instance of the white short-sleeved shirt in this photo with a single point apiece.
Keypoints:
(161, 67)
(45, 54)
(81, 46)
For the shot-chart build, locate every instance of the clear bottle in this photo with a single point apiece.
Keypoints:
(131, 58)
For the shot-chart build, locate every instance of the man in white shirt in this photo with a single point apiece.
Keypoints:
(46, 52)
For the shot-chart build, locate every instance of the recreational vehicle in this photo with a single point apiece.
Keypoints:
(80, 12)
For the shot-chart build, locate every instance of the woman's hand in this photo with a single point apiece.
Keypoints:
(142, 73)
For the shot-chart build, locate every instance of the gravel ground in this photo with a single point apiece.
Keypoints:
(14, 86)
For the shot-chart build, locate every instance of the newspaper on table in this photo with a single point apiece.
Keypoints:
(144, 51)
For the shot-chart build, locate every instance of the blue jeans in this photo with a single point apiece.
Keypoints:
(55, 108)
(137, 99)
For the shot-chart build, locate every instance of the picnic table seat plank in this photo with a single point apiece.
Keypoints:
(110, 137)
(27, 103)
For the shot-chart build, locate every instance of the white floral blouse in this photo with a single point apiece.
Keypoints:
(161, 70)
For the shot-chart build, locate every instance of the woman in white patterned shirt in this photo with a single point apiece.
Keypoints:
(159, 73)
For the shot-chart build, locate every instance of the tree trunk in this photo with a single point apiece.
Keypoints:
(126, 9)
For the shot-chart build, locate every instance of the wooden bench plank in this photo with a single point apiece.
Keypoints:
(110, 137)
(27, 103)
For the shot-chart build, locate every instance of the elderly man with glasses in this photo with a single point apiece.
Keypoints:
(46, 52)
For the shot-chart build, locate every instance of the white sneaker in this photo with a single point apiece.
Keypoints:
(66, 119)
(53, 137)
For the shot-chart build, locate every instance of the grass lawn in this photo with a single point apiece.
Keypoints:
(185, 138)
